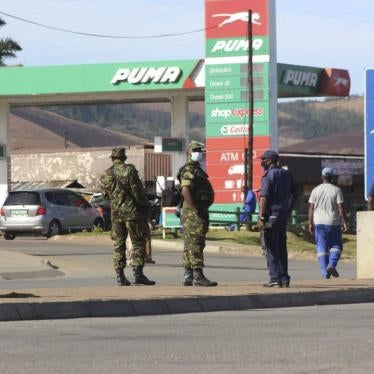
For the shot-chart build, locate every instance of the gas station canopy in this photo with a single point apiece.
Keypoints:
(189, 75)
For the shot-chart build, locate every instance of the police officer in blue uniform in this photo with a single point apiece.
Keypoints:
(277, 196)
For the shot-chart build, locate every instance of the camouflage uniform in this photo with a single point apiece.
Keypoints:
(129, 209)
(195, 224)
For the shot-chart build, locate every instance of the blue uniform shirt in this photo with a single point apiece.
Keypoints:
(277, 186)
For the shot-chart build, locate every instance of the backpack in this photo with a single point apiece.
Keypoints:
(178, 209)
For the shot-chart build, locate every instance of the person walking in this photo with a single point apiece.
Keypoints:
(198, 195)
(277, 197)
(326, 215)
(249, 207)
(122, 185)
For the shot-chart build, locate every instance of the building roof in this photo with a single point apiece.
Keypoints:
(15, 186)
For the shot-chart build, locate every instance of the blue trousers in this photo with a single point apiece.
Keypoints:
(275, 242)
(329, 246)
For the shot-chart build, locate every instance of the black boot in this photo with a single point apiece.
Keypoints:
(121, 279)
(200, 280)
(188, 277)
(140, 278)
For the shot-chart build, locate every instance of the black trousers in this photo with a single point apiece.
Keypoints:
(275, 240)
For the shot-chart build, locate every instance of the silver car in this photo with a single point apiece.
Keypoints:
(47, 212)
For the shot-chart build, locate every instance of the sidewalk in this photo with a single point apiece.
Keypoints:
(114, 301)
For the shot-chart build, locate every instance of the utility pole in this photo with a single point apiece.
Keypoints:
(250, 104)
(248, 183)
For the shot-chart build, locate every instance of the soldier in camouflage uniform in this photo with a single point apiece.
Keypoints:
(198, 195)
(121, 184)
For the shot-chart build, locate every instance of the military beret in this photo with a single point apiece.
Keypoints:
(196, 146)
(118, 152)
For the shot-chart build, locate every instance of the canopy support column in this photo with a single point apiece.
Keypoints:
(179, 129)
(5, 158)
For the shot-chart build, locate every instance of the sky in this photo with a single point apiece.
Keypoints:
(321, 33)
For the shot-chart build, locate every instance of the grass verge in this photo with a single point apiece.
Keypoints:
(299, 241)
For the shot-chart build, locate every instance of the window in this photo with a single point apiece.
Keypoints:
(50, 196)
(23, 198)
(77, 200)
(62, 199)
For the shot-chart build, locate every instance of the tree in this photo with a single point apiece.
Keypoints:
(8, 47)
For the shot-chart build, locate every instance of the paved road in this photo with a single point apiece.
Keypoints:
(328, 339)
(90, 264)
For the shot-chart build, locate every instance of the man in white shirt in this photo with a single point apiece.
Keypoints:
(326, 217)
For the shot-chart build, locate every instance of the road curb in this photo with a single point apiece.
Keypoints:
(22, 311)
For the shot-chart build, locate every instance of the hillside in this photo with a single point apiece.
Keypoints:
(33, 128)
(144, 120)
(354, 103)
(114, 124)
(27, 135)
(349, 143)
(308, 119)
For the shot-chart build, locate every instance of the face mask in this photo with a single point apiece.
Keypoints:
(196, 156)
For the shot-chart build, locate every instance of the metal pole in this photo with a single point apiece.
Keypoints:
(250, 102)
(250, 115)
(246, 170)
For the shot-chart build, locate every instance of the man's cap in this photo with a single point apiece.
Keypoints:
(118, 152)
(327, 172)
(269, 155)
(195, 146)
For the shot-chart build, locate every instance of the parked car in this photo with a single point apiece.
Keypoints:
(48, 212)
(103, 206)
(98, 201)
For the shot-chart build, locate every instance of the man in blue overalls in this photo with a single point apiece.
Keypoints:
(277, 196)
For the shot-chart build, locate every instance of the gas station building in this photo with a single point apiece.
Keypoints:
(221, 80)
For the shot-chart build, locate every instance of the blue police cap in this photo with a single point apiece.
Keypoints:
(269, 155)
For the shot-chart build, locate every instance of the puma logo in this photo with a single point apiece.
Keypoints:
(339, 81)
(240, 16)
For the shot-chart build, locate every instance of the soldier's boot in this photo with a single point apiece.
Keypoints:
(188, 277)
(200, 280)
(140, 278)
(121, 279)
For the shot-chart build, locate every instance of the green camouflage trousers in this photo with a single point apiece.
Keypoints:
(195, 229)
(137, 230)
